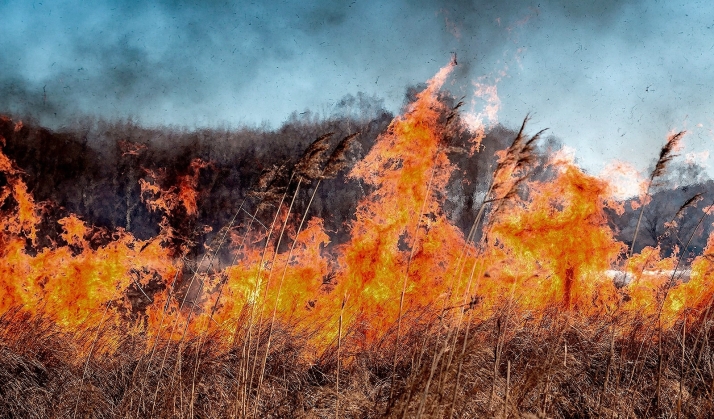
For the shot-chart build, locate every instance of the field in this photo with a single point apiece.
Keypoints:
(527, 303)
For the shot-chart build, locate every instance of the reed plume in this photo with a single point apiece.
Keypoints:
(665, 156)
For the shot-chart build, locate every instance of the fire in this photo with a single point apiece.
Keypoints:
(167, 200)
(557, 243)
(538, 243)
(24, 219)
(401, 241)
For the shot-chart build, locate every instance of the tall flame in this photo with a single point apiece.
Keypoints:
(400, 235)
(544, 244)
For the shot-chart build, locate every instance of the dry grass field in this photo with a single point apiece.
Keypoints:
(533, 309)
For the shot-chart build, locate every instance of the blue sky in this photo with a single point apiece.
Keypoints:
(609, 78)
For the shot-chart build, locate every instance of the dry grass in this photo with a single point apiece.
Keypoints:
(558, 365)
(448, 363)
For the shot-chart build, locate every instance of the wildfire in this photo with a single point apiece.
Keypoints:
(538, 243)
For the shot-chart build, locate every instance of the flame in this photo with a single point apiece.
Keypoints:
(167, 200)
(541, 244)
(400, 240)
(73, 283)
(557, 244)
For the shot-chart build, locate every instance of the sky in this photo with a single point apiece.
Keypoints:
(610, 79)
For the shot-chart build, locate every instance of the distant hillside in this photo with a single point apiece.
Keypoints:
(96, 168)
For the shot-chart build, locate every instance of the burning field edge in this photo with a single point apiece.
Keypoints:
(533, 308)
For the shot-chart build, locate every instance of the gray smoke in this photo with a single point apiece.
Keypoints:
(611, 78)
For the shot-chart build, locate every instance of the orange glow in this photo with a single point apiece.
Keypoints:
(543, 244)
(400, 237)
(557, 243)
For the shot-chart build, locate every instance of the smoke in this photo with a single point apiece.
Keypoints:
(610, 78)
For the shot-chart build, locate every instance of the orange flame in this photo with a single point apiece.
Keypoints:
(558, 244)
(400, 235)
(550, 246)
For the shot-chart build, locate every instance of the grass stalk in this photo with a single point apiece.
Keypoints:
(89, 358)
(277, 297)
(405, 282)
(251, 321)
(681, 368)
(339, 353)
(508, 385)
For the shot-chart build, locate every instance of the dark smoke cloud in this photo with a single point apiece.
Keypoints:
(610, 78)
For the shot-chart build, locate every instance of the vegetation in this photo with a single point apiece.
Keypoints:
(376, 267)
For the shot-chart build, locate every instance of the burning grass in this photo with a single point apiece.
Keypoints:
(409, 316)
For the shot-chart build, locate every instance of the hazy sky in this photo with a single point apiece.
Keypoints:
(609, 78)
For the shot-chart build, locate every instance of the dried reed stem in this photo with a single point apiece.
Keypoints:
(665, 155)
(277, 297)
(248, 376)
(168, 346)
(212, 259)
(89, 357)
(308, 167)
(339, 349)
(496, 362)
(405, 282)
(681, 368)
(508, 385)
(611, 355)
(156, 341)
(256, 292)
